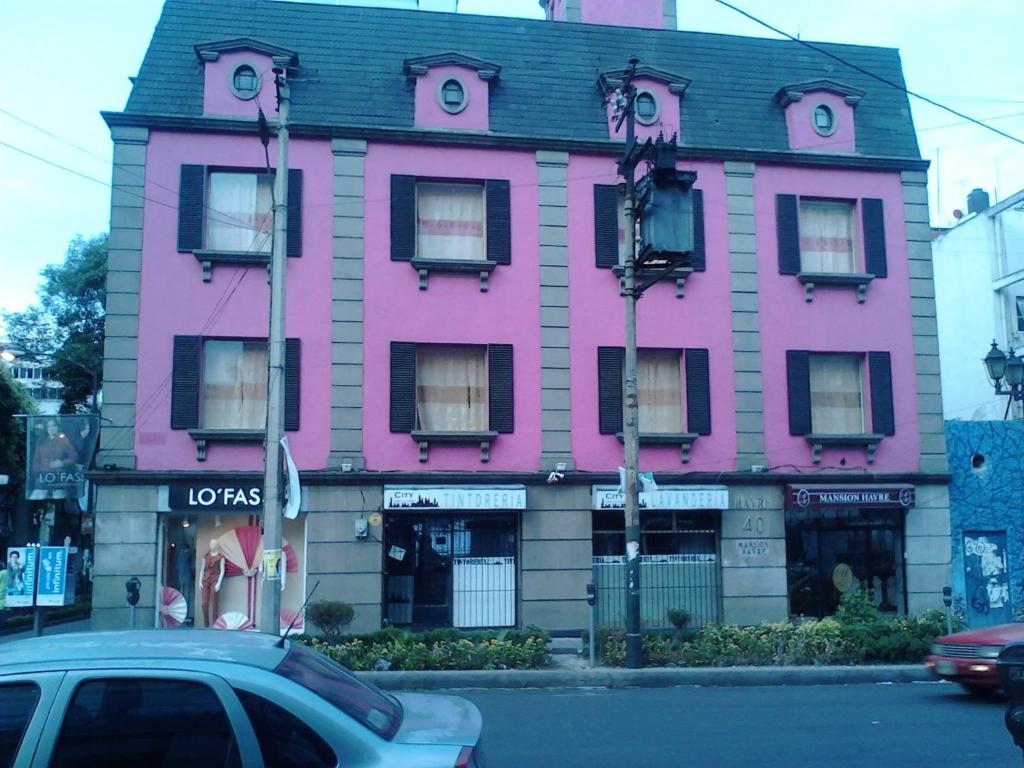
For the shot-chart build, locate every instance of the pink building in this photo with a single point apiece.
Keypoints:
(455, 330)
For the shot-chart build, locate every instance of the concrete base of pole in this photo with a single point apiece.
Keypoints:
(634, 651)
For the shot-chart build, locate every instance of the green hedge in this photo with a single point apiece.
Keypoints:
(857, 634)
(395, 649)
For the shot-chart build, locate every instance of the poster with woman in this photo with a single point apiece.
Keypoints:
(21, 576)
(60, 450)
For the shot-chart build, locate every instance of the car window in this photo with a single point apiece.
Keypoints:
(285, 741)
(147, 723)
(331, 681)
(17, 703)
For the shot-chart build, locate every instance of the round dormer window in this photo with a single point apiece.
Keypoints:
(452, 95)
(245, 82)
(824, 120)
(646, 107)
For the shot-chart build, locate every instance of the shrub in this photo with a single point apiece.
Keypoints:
(679, 618)
(330, 615)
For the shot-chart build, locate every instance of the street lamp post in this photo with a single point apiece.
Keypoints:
(1001, 368)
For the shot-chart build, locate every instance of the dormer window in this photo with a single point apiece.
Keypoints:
(453, 96)
(245, 83)
(824, 120)
(646, 108)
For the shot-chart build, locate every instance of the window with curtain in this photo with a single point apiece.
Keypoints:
(1020, 313)
(234, 385)
(240, 213)
(826, 236)
(622, 229)
(660, 391)
(451, 389)
(837, 401)
(450, 221)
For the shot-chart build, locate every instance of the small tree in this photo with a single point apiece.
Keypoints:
(331, 616)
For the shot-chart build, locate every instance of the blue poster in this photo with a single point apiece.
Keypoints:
(21, 576)
(986, 579)
(53, 572)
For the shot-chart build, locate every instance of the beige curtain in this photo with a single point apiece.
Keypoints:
(239, 215)
(826, 236)
(450, 222)
(836, 400)
(451, 389)
(234, 385)
(622, 229)
(659, 390)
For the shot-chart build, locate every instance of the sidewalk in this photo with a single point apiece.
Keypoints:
(78, 625)
(655, 677)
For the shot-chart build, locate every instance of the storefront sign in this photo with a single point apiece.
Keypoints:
(21, 576)
(449, 498)
(864, 496)
(216, 497)
(666, 497)
(51, 585)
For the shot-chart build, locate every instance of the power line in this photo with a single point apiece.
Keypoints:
(869, 73)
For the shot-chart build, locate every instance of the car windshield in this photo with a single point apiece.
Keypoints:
(379, 712)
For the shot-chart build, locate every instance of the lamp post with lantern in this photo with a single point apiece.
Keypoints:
(1006, 373)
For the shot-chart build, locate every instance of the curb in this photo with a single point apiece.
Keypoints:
(664, 677)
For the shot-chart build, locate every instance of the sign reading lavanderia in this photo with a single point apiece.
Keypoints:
(666, 497)
(896, 495)
(397, 497)
(60, 450)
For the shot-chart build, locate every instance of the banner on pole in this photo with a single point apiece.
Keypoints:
(51, 586)
(21, 576)
(60, 449)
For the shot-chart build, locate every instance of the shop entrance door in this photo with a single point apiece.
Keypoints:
(445, 571)
(833, 551)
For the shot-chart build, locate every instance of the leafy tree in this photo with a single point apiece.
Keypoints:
(67, 322)
(14, 399)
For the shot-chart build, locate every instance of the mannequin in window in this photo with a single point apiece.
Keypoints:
(213, 576)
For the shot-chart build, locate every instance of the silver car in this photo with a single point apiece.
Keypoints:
(213, 699)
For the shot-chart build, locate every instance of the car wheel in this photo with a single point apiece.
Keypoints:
(980, 691)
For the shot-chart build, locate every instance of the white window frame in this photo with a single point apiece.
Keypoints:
(815, 359)
(851, 207)
(220, 221)
(256, 421)
(483, 385)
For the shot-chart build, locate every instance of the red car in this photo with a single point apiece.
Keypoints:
(969, 658)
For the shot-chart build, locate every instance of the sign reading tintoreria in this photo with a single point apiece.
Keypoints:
(60, 450)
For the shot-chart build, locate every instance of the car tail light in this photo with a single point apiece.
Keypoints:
(465, 758)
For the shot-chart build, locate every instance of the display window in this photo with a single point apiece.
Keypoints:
(450, 570)
(212, 571)
(830, 552)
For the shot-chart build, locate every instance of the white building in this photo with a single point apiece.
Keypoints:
(979, 298)
(47, 393)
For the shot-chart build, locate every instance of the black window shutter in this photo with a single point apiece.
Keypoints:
(609, 389)
(292, 369)
(787, 222)
(499, 383)
(606, 225)
(874, 237)
(185, 382)
(499, 221)
(697, 258)
(403, 386)
(403, 218)
(798, 376)
(191, 207)
(880, 376)
(295, 212)
(698, 392)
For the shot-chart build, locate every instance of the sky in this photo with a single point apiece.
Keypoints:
(70, 59)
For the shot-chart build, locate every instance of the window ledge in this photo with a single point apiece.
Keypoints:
(455, 267)
(679, 274)
(204, 436)
(683, 439)
(211, 259)
(869, 442)
(858, 280)
(455, 438)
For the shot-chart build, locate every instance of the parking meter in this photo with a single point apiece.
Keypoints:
(591, 640)
(1010, 667)
(591, 594)
(134, 587)
(947, 596)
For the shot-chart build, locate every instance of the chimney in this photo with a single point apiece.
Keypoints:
(977, 201)
(647, 14)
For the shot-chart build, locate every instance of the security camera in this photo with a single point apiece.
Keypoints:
(554, 477)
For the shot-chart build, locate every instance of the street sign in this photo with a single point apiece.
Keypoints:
(52, 582)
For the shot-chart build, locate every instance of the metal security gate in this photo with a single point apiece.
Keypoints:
(679, 570)
(448, 571)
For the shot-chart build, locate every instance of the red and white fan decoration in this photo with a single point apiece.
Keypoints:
(173, 607)
(233, 620)
(243, 551)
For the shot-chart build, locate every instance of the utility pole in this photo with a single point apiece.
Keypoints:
(270, 598)
(631, 429)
